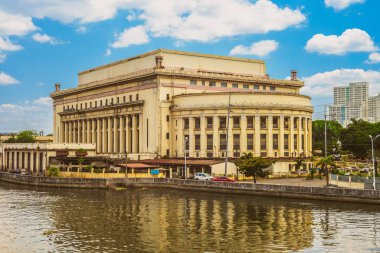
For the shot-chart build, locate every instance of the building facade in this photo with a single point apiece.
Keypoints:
(350, 102)
(164, 102)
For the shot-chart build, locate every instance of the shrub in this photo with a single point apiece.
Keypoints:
(87, 168)
(53, 172)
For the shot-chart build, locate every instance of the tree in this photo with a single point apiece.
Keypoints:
(27, 136)
(355, 138)
(334, 130)
(253, 166)
(325, 163)
(298, 163)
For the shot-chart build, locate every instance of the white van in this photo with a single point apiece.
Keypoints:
(203, 176)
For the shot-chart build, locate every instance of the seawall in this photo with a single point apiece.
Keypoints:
(302, 192)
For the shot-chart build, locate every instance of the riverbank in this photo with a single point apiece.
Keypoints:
(287, 191)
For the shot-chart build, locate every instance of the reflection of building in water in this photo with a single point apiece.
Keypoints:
(166, 221)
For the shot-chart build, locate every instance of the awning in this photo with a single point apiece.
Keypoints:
(138, 166)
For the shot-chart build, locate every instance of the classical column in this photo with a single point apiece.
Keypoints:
(37, 162)
(93, 132)
(203, 137)
(140, 133)
(122, 134)
(134, 134)
(62, 132)
(191, 137)
(243, 134)
(104, 137)
(299, 135)
(281, 137)
(32, 162)
(70, 131)
(26, 164)
(115, 136)
(310, 136)
(109, 138)
(77, 134)
(257, 148)
(230, 151)
(270, 137)
(44, 165)
(180, 137)
(305, 137)
(291, 136)
(128, 136)
(98, 136)
(215, 136)
(84, 130)
(88, 129)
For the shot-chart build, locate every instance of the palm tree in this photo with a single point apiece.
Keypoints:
(325, 163)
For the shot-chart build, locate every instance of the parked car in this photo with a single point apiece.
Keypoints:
(203, 176)
(223, 179)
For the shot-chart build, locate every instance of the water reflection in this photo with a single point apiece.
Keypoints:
(149, 220)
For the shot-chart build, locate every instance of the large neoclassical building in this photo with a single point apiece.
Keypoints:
(164, 102)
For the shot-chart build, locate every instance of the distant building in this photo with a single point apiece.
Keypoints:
(350, 102)
(39, 139)
(374, 108)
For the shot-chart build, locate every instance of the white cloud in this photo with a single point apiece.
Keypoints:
(321, 84)
(373, 58)
(81, 29)
(6, 79)
(261, 48)
(108, 52)
(3, 57)
(351, 40)
(35, 115)
(341, 4)
(13, 24)
(7, 45)
(44, 38)
(131, 36)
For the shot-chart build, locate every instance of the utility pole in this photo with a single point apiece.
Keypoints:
(227, 135)
(326, 132)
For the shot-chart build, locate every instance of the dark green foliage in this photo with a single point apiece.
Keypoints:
(334, 130)
(27, 136)
(53, 172)
(253, 166)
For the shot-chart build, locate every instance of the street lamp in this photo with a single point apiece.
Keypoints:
(373, 160)
(186, 140)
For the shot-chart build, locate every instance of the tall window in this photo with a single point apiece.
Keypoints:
(222, 123)
(245, 86)
(286, 141)
(197, 122)
(263, 122)
(250, 122)
(235, 85)
(295, 123)
(295, 141)
(209, 122)
(212, 84)
(302, 142)
(210, 142)
(249, 141)
(236, 122)
(275, 122)
(272, 87)
(186, 123)
(193, 82)
(263, 141)
(186, 141)
(275, 141)
(286, 122)
(256, 87)
(223, 142)
(197, 142)
(223, 85)
(236, 139)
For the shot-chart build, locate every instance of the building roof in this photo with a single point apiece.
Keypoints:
(138, 165)
(182, 161)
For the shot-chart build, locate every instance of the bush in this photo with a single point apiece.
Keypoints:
(98, 170)
(53, 172)
(87, 168)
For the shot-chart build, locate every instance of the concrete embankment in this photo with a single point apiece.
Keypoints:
(317, 193)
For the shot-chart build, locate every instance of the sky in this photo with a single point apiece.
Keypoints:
(329, 42)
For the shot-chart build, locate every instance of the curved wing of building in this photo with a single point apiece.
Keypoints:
(165, 102)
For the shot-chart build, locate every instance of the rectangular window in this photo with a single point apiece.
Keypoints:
(197, 142)
(263, 122)
(137, 96)
(197, 123)
(295, 123)
(210, 142)
(111, 101)
(123, 99)
(286, 123)
(130, 98)
(186, 123)
(275, 122)
(256, 87)
(101, 102)
(236, 121)
(167, 136)
(117, 100)
(212, 84)
(193, 82)
(90, 104)
(264, 87)
(249, 141)
(222, 142)
(223, 85)
(209, 122)
(186, 141)
(203, 83)
(245, 86)
(249, 122)
(286, 141)
(236, 140)
(167, 118)
(222, 123)
(295, 141)
(303, 124)
(272, 87)
(235, 85)
(263, 141)
(275, 141)
(302, 142)
(167, 97)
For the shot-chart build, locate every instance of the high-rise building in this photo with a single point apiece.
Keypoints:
(350, 102)
(374, 108)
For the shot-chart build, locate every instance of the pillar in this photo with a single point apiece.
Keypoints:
(104, 135)
(93, 132)
(291, 136)
(203, 137)
(70, 132)
(299, 135)
(270, 137)
(134, 134)
(140, 133)
(215, 136)
(122, 134)
(191, 137)
(115, 136)
(128, 136)
(281, 137)
(256, 137)
(243, 134)
(88, 130)
(180, 137)
(98, 136)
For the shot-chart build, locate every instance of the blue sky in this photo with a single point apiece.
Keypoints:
(329, 42)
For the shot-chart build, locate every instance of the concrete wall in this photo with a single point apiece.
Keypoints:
(317, 193)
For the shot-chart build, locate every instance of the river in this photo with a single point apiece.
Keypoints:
(155, 220)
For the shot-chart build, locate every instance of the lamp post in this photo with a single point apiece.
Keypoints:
(186, 140)
(373, 159)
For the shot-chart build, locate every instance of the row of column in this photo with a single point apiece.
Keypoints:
(31, 161)
(243, 131)
(112, 135)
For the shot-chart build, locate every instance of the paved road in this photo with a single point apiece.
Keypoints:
(292, 181)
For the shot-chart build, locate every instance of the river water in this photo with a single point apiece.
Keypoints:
(151, 220)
